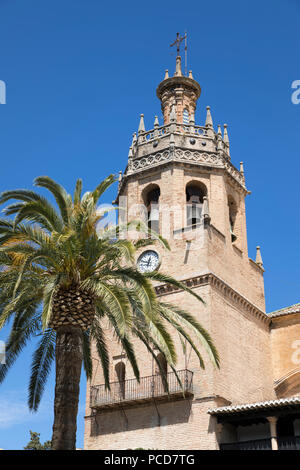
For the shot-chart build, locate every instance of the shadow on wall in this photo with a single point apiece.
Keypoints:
(141, 417)
(288, 385)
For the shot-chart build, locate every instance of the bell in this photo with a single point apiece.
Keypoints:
(194, 213)
(153, 211)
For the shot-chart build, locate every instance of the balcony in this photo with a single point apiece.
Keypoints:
(258, 444)
(284, 443)
(131, 392)
(289, 443)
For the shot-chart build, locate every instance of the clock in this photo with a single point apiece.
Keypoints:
(148, 261)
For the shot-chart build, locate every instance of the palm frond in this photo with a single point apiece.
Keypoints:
(102, 187)
(77, 193)
(58, 192)
(87, 358)
(40, 368)
(98, 335)
(190, 322)
(25, 325)
(156, 276)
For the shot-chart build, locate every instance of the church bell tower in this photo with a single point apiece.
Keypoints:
(181, 174)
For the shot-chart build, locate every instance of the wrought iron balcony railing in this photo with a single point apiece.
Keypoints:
(131, 391)
(258, 444)
(289, 443)
(284, 443)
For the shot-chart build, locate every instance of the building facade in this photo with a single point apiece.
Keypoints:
(182, 176)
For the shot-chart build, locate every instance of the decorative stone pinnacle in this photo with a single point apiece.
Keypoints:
(242, 168)
(120, 175)
(156, 123)
(130, 152)
(220, 140)
(134, 139)
(226, 138)
(258, 259)
(166, 74)
(173, 114)
(178, 72)
(142, 124)
(191, 74)
(208, 121)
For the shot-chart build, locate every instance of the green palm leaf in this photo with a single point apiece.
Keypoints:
(53, 259)
(40, 368)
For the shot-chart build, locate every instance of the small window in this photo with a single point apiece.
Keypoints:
(186, 117)
(121, 374)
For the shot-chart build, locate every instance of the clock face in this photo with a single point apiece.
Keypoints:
(148, 261)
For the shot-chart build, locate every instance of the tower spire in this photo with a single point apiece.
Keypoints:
(180, 92)
(178, 40)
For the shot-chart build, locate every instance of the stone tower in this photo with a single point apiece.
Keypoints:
(194, 196)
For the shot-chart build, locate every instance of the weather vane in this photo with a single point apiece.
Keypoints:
(178, 41)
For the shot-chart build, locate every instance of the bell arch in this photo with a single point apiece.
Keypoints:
(150, 196)
(195, 192)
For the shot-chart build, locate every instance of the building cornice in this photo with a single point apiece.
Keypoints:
(248, 407)
(180, 156)
(227, 291)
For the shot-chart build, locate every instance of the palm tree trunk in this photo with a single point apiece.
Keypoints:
(69, 355)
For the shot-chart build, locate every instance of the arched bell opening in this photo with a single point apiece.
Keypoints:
(151, 197)
(232, 207)
(195, 192)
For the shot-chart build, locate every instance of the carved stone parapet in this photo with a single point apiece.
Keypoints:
(194, 157)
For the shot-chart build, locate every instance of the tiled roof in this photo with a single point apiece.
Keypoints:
(285, 311)
(255, 406)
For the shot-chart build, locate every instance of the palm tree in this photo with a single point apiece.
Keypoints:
(59, 280)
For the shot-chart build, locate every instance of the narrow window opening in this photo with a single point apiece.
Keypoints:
(186, 117)
(194, 204)
(232, 218)
(121, 375)
(152, 205)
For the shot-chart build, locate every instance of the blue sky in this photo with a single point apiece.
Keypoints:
(79, 73)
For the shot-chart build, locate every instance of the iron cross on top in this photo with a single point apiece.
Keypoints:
(177, 41)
